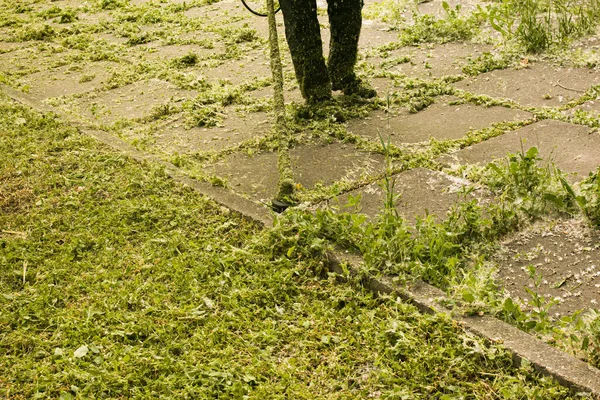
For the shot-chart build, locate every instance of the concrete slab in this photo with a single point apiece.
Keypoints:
(540, 85)
(591, 107)
(155, 52)
(440, 121)
(20, 59)
(384, 86)
(573, 148)
(129, 102)
(434, 7)
(252, 66)
(7, 47)
(64, 81)
(567, 256)
(112, 39)
(427, 62)
(313, 164)
(176, 138)
(290, 94)
(374, 34)
(421, 192)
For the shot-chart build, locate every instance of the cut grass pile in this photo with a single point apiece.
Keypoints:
(116, 282)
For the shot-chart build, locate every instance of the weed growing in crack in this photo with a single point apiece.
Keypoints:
(486, 62)
(540, 314)
(586, 197)
(539, 25)
(590, 333)
(526, 184)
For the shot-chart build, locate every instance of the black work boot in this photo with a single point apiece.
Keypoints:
(315, 96)
(356, 87)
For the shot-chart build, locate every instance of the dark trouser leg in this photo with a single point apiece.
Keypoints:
(345, 19)
(303, 35)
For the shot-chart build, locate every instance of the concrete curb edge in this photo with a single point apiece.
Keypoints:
(566, 369)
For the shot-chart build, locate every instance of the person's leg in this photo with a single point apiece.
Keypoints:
(345, 19)
(303, 35)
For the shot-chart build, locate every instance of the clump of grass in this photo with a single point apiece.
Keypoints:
(62, 16)
(428, 29)
(203, 116)
(243, 34)
(112, 4)
(527, 184)
(137, 38)
(591, 336)
(486, 62)
(37, 32)
(389, 63)
(185, 61)
(539, 25)
(390, 11)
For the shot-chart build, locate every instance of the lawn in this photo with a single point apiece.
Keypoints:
(118, 282)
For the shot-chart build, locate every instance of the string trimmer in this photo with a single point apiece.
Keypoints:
(284, 198)
(256, 12)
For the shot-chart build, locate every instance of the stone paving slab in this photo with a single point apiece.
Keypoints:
(313, 164)
(128, 102)
(573, 148)
(437, 61)
(177, 138)
(375, 34)
(566, 254)
(441, 121)
(253, 65)
(19, 58)
(9, 47)
(591, 107)
(435, 7)
(156, 52)
(291, 93)
(421, 192)
(539, 85)
(65, 82)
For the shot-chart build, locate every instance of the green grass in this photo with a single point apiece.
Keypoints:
(119, 283)
(541, 25)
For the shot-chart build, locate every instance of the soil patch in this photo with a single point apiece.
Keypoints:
(252, 66)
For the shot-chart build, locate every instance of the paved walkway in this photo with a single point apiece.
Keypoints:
(189, 82)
